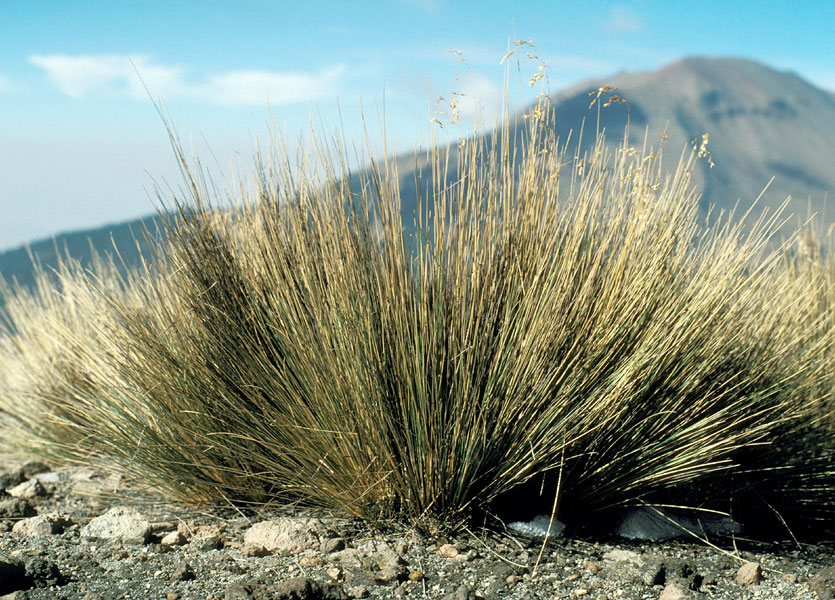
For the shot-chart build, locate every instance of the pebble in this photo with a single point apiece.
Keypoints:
(354, 561)
(749, 574)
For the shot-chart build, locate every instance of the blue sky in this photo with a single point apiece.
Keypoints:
(81, 143)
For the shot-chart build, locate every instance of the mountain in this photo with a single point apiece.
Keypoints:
(762, 123)
(128, 239)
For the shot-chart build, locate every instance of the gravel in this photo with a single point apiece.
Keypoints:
(79, 534)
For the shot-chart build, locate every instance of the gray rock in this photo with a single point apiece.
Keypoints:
(650, 523)
(676, 591)
(824, 583)
(619, 555)
(359, 591)
(181, 571)
(205, 544)
(42, 572)
(680, 572)
(28, 489)
(284, 535)
(636, 570)
(331, 545)
(464, 592)
(350, 557)
(380, 554)
(495, 590)
(16, 508)
(297, 588)
(121, 523)
(41, 525)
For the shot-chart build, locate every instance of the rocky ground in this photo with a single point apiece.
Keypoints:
(77, 534)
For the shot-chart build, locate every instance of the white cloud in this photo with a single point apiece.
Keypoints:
(622, 19)
(120, 75)
(258, 87)
(108, 74)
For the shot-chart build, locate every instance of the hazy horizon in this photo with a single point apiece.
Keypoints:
(83, 143)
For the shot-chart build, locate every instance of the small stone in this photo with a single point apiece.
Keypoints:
(415, 575)
(43, 572)
(790, 577)
(186, 528)
(824, 583)
(331, 545)
(464, 592)
(181, 571)
(676, 591)
(173, 538)
(301, 588)
(41, 525)
(594, 567)
(205, 544)
(359, 591)
(620, 555)
(285, 535)
(310, 561)
(334, 573)
(637, 570)
(16, 508)
(512, 579)
(577, 592)
(121, 523)
(749, 574)
(172, 596)
(391, 574)
(448, 551)
(253, 550)
(28, 489)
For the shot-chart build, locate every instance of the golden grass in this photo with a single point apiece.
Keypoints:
(556, 315)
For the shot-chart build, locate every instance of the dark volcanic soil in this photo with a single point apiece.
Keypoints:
(82, 534)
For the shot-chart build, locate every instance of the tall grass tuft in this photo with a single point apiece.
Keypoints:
(558, 319)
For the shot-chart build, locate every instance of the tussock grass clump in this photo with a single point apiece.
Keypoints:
(562, 322)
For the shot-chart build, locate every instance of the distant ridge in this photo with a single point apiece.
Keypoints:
(762, 123)
(128, 238)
